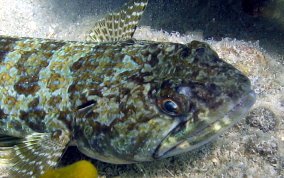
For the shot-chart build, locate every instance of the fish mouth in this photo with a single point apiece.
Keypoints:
(172, 145)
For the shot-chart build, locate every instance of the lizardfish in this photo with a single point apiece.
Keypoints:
(117, 99)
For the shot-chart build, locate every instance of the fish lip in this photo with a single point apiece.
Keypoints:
(241, 109)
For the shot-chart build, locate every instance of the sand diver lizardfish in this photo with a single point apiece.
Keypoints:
(119, 100)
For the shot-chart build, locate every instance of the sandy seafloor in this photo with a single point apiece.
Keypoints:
(255, 45)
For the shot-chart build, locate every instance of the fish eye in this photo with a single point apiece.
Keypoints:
(170, 107)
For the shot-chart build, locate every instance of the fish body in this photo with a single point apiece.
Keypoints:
(117, 99)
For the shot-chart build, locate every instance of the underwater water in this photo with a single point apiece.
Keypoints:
(249, 36)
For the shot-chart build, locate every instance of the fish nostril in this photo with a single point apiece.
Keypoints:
(165, 84)
(200, 51)
(185, 53)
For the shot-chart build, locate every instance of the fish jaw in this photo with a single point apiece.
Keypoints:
(175, 143)
(119, 151)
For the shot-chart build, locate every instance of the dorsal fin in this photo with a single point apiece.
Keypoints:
(118, 25)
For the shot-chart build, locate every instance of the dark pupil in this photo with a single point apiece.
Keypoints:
(170, 106)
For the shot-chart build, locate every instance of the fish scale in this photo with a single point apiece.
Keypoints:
(119, 100)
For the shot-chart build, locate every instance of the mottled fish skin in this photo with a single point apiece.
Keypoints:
(119, 101)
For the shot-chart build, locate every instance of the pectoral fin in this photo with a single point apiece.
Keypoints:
(6, 141)
(32, 155)
(119, 25)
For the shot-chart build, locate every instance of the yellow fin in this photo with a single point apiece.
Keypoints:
(80, 169)
(119, 25)
(32, 155)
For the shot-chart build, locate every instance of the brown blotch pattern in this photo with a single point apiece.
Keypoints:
(55, 82)
(88, 62)
(77, 65)
(52, 46)
(10, 101)
(53, 101)
(34, 118)
(2, 114)
(6, 45)
(20, 65)
(27, 85)
(33, 103)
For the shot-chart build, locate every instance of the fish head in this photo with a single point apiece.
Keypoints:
(182, 97)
